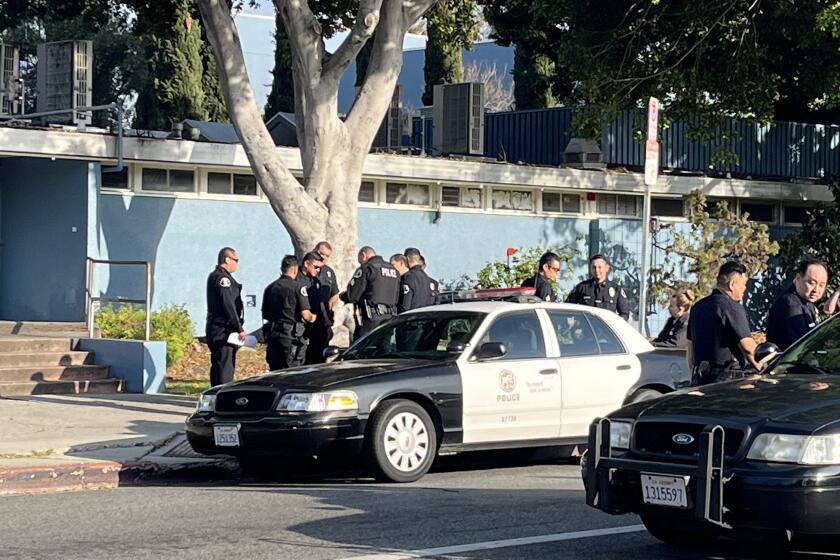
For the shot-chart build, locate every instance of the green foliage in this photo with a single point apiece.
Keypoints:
(532, 77)
(171, 324)
(452, 25)
(693, 260)
(282, 96)
(497, 274)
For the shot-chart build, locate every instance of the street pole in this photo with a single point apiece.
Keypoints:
(651, 176)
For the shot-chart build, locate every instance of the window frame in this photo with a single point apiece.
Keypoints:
(384, 198)
(491, 320)
(536, 199)
(638, 203)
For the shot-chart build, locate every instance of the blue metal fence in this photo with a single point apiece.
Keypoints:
(778, 149)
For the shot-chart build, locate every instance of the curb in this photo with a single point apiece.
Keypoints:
(76, 477)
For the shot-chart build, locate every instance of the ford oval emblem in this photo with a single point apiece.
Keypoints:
(680, 439)
(242, 401)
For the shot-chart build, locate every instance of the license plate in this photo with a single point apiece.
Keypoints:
(666, 491)
(226, 436)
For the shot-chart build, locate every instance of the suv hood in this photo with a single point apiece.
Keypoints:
(317, 377)
(812, 400)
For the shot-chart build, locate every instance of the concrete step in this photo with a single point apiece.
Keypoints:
(15, 344)
(21, 359)
(110, 385)
(44, 328)
(53, 373)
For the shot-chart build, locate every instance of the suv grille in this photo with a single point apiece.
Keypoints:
(658, 438)
(255, 401)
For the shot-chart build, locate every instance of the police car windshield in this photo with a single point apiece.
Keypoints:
(418, 336)
(818, 352)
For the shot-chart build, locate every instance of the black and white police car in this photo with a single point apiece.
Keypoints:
(439, 380)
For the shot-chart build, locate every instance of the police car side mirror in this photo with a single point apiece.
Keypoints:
(332, 352)
(765, 352)
(490, 351)
(456, 347)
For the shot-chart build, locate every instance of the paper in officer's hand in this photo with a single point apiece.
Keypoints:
(249, 342)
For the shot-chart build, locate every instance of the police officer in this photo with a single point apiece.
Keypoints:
(319, 332)
(285, 310)
(793, 313)
(225, 315)
(373, 290)
(416, 288)
(598, 291)
(718, 329)
(548, 268)
(399, 262)
(327, 278)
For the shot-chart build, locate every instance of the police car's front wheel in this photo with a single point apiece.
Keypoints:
(403, 441)
(676, 532)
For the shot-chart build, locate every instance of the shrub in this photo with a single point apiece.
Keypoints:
(171, 324)
(497, 274)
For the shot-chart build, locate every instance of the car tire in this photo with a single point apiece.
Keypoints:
(644, 395)
(677, 533)
(402, 441)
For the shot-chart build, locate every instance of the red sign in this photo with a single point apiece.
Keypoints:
(510, 251)
(653, 118)
(651, 162)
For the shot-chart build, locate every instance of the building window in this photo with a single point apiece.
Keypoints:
(796, 215)
(560, 202)
(508, 199)
(168, 180)
(463, 197)
(667, 207)
(367, 192)
(712, 205)
(115, 180)
(759, 212)
(620, 205)
(231, 183)
(402, 193)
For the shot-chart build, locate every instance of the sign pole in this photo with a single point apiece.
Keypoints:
(651, 176)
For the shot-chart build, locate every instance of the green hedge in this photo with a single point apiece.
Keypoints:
(171, 324)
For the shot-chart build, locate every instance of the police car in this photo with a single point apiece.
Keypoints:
(445, 379)
(757, 456)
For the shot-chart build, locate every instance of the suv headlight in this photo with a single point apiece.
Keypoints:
(319, 402)
(206, 403)
(620, 431)
(789, 448)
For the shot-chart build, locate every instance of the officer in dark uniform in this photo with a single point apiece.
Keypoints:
(416, 288)
(373, 290)
(793, 313)
(548, 268)
(718, 329)
(434, 284)
(327, 278)
(598, 291)
(225, 315)
(285, 310)
(318, 332)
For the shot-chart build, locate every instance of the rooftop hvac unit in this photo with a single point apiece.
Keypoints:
(9, 75)
(65, 80)
(389, 135)
(583, 153)
(459, 118)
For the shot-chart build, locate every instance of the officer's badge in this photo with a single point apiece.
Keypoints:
(224, 282)
(406, 289)
(303, 291)
(612, 291)
(329, 274)
(432, 286)
(358, 273)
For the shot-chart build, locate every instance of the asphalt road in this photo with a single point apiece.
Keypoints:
(524, 510)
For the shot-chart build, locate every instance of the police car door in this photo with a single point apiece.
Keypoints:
(595, 369)
(514, 397)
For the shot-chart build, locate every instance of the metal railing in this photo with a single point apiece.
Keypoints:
(91, 300)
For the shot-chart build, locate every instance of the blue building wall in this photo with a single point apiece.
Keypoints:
(43, 231)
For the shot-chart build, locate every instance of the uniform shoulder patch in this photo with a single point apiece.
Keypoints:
(358, 273)
(432, 286)
(303, 291)
(224, 282)
(406, 288)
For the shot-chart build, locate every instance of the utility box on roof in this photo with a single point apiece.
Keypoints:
(459, 119)
(583, 153)
(9, 75)
(65, 80)
(389, 135)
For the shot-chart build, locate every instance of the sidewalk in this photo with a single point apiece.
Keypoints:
(84, 442)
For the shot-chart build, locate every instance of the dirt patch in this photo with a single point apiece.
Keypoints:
(196, 363)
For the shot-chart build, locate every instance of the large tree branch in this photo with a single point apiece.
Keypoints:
(396, 16)
(296, 210)
(305, 36)
(362, 30)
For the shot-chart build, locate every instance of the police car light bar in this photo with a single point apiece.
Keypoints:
(489, 294)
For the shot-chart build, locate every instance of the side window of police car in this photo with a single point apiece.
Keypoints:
(520, 332)
(608, 342)
(583, 334)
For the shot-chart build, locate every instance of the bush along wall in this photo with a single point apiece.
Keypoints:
(171, 324)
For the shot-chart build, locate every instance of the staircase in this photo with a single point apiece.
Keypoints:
(43, 362)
